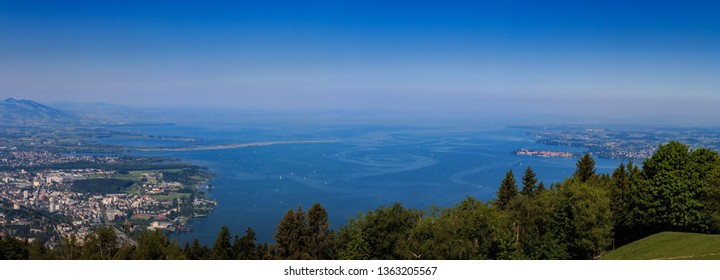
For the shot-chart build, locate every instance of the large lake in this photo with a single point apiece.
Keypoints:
(367, 166)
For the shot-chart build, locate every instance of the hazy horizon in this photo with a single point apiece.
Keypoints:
(612, 60)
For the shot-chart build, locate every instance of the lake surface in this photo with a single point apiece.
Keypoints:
(367, 166)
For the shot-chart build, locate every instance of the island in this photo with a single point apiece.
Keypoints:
(526, 152)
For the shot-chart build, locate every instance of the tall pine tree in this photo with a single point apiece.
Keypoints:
(197, 251)
(585, 168)
(320, 237)
(507, 191)
(222, 250)
(284, 234)
(529, 181)
(245, 247)
(292, 235)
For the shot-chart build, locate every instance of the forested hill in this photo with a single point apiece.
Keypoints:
(14, 111)
(583, 217)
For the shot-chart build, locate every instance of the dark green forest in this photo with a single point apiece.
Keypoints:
(583, 217)
(101, 186)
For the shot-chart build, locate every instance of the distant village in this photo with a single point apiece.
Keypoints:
(617, 143)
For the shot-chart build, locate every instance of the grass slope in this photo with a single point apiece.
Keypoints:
(670, 245)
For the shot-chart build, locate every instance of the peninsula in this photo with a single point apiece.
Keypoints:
(233, 146)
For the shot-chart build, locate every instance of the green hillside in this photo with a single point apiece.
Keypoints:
(670, 245)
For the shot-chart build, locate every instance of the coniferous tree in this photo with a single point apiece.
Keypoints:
(245, 247)
(621, 184)
(541, 187)
(299, 246)
(620, 177)
(507, 191)
(151, 245)
(154, 245)
(265, 252)
(291, 235)
(529, 181)
(585, 168)
(319, 236)
(222, 250)
(197, 251)
(173, 251)
(284, 234)
(37, 250)
(187, 251)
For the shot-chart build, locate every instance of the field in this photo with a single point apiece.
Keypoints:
(170, 197)
(101, 186)
(131, 175)
(670, 246)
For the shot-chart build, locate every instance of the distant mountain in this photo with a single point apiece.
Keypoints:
(14, 111)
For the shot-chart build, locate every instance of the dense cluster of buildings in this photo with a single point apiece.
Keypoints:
(51, 192)
(11, 157)
(604, 143)
(623, 142)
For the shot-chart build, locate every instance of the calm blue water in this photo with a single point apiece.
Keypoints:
(369, 166)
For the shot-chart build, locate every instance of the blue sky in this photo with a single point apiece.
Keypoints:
(542, 57)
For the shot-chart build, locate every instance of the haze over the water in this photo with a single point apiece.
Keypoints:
(595, 59)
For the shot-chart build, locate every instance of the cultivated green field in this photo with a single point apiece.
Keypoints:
(670, 245)
(170, 196)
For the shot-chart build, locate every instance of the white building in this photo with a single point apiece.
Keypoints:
(159, 225)
(54, 179)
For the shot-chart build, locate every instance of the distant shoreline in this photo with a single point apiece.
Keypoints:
(232, 146)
